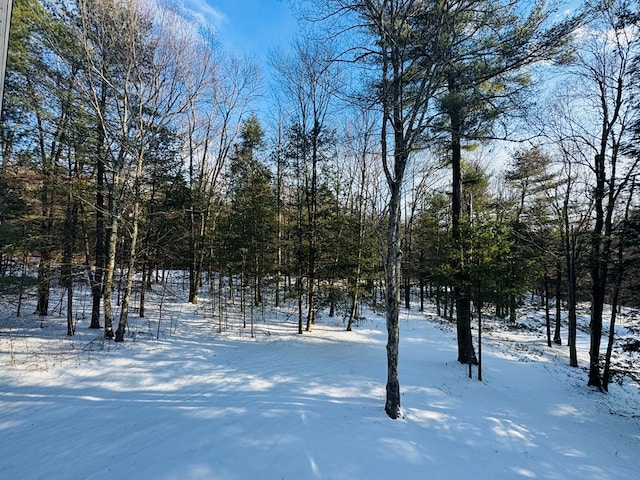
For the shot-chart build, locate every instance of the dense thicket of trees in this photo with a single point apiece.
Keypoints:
(130, 147)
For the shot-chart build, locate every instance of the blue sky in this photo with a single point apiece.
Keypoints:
(247, 26)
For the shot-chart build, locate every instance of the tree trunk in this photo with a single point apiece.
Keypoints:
(359, 245)
(109, 274)
(557, 339)
(44, 282)
(70, 234)
(407, 293)
(312, 213)
(392, 301)
(599, 270)
(512, 308)
(96, 285)
(606, 375)
(572, 303)
(595, 327)
(44, 268)
(353, 310)
(67, 270)
(393, 260)
(131, 270)
(98, 276)
(422, 280)
(70, 326)
(195, 278)
(146, 271)
(197, 232)
(332, 299)
(479, 337)
(299, 289)
(547, 315)
(311, 301)
(466, 352)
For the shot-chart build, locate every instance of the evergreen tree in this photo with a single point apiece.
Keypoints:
(483, 47)
(252, 221)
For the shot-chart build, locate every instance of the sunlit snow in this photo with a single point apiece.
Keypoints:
(199, 404)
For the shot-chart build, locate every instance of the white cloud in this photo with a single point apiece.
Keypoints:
(206, 13)
(201, 12)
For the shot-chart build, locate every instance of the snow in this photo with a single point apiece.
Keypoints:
(199, 404)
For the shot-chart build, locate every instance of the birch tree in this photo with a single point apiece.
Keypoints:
(134, 53)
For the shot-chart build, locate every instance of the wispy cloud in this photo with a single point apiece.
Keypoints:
(205, 13)
(199, 12)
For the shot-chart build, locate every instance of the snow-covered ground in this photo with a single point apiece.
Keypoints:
(198, 404)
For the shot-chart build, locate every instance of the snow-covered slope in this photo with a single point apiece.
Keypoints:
(198, 404)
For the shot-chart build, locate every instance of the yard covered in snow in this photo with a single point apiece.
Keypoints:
(195, 403)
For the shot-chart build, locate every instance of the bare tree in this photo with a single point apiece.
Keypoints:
(210, 125)
(361, 185)
(596, 127)
(138, 54)
(568, 203)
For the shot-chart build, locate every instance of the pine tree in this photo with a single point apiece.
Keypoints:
(483, 47)
(252, 216)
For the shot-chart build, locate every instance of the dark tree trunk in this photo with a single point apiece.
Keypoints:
(67, 276)
(407, 294)
(595, 327)
(606, 374)
(600, 242)
(572, 304)
(479, 338)
(557, 339)
(44, 283)
(311, 304)
(466, 352)
(422, 280)
(71, 218)
(195, 278)
(547, 315)
(393, 259)
(332, 299)
(197, 231)
(100, 256)
(392, 301)
(46, 229)
(513, 304)
(353, 310)
(356, 280)
(299, 294)
(143, 287)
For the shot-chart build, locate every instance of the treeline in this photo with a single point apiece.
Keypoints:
(130, 146)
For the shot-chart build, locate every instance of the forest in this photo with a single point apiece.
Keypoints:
(468, 153)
